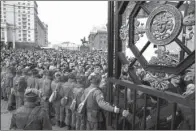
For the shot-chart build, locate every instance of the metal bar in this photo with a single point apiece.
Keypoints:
(158, 114)
(144, 48)
(136, 10)
(181, 44)
(133, 76)
(186, 63)
(133, 62)
(174, 116)
(145, 106)
(177, 98)
(193, 122)
(118, 43)
(179, 4)
(134, 110)
(182, 53)
(122, 7)
(145, 9)
(141, 52)
(125, 105)
(117, 103)
(110, 55)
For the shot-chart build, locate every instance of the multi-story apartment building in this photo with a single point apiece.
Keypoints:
(98, 39)
(46, 33)
(23, 15)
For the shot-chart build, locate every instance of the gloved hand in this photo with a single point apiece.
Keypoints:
(125, 113)
(116, 110)
(12, 90)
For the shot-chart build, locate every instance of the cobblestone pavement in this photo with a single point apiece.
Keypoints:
(6, 117)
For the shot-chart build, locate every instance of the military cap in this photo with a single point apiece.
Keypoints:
(45, 72)
(34, 71)
(80, 78)
(71, 75)
(57, 74)
(19, 72)
(11, 69)
(25, 71)
(31, 95)
(95, 79)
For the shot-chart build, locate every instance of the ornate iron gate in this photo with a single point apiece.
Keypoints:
(166, 23)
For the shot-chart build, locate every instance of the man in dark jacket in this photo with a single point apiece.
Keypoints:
(78, 119)
(95, 104)
(30, 116)
(67, 95)
(46, 90)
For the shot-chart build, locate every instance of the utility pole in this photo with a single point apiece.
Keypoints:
(14, 31)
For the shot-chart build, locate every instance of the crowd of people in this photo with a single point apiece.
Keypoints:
(69, 89)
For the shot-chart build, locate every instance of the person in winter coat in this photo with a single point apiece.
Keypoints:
(78, 121)
(67, 97)
(95, 104)
(56, 85)
(30, 116)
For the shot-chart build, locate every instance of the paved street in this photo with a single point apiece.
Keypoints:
(6, 117)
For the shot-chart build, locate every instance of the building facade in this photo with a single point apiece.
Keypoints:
(98, 39)
(23, 15)
(46, 34)
(91, 40)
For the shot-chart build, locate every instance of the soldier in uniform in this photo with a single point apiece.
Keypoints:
(25, 73)
(95, 105)
(9, 82)
(57, 85)
(33, 81)
(30, 116)
(78, 119)
(3, 74)
(66, 113)
(46, 90)
(19, 90)
(165, 116)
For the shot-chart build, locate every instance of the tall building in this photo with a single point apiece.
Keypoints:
(46, 33)
(24, 15)
(98, 39)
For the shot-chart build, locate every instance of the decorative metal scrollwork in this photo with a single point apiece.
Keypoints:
(164, 24)
(124, 32)
(139, 31)
(189, 22)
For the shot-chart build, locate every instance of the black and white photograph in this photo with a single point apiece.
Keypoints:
(97, 65)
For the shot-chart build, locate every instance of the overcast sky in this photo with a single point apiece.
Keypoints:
(71, 20)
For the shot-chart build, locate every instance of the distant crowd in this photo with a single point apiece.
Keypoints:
(69, 89)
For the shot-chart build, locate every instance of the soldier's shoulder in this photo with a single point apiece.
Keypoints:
(97, 92)
(20, 109)
(42, 110)
(65, 84)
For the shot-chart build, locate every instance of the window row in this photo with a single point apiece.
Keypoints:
(24, 11)
(23, 20)
(24, 8)
(24, 39)
(24, 34)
